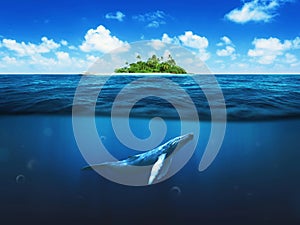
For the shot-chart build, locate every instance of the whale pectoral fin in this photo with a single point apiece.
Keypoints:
(156, 169)
(165, 168)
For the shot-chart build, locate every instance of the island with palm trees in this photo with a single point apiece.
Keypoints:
(153, 65)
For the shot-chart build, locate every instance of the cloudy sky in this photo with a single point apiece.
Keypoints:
(232, 36)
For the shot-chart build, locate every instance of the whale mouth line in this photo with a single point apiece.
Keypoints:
(188, 136)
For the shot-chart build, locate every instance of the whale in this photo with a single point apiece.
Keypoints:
(159, 159)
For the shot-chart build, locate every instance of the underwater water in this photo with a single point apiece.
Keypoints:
(253, 180)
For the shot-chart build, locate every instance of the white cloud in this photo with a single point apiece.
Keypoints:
(63, 56)
(92, 58)
(267, 50)
(153, 19)
(290, 58)
(256, 10)
(32, 57)
(100, 39)
(227, 51)
(125, 48)
(193, 41)
(9, 60)
(155, 24)
(72, 47)
(62, 63)
(196, 42)
(24, 57)
(296, 43)
(170, 40)
(166, 39)
(64, 42)
(226, 40)
(157, 44)
(41, 61)
(117, 16)
(29, 49)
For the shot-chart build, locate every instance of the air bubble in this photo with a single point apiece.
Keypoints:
(20, 179)
(175, 192)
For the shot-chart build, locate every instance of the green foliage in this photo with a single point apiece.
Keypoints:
(152, 65)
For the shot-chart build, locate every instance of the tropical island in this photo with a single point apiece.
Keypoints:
(152, 65)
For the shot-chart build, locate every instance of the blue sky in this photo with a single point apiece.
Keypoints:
(252, 36)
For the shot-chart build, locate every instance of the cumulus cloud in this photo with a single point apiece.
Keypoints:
(152, 19)
(60, 63)
(196, 42)
(63, 56)
(115, 16)
(157, 44)
(9, 60)
(224, 41)
(29, 49)
(100, 39)
(64, 42)
(266, 51)
(290, 58)
(47, 56)
(72, 47)
(228, 50)
(166, 39)
(192, 41)
(92, 58)
(256, 10)
(296, 43)
(24, 57)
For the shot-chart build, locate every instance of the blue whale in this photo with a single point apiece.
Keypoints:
(160, 158)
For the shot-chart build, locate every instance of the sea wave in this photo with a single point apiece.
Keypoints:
(247, 97)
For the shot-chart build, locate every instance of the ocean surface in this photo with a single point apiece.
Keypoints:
(247, 97)
(255, 178)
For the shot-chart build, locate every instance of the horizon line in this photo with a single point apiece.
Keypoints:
(218, 73)
(225, 73)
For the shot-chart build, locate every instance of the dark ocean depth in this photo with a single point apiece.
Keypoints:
(255, 178)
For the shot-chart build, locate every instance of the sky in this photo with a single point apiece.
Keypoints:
(232, 36)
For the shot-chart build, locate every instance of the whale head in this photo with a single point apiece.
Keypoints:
(176, 143)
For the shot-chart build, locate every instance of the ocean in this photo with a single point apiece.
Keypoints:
(254, 178)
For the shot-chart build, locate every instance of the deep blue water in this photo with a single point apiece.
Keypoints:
(253, 180)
